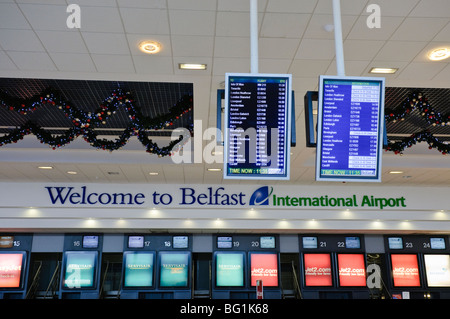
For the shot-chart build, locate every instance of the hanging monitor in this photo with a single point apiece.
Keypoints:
(350, 128)
(257, 126)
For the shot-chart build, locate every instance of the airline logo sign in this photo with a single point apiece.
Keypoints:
(213, 196)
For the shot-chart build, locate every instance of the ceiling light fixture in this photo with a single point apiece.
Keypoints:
(192, 66)
(150, 47)
(45, 167)
(377, 70)
(72, 173)
(439, 54)
(214, 169)
(396, 172)
(153, 173)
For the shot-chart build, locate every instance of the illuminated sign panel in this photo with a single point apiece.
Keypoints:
(437, 270)
(174, 269)
(257, 126)
(80, 267)
(138, 269)
(11, 270)
(230, 269)
(352, 271)
(317, 270)
(405, 270)
(350, 128)
(264, 267)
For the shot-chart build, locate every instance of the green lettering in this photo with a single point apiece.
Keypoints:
(366, 201)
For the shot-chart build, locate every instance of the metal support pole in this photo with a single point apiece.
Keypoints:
(338, 38)
(254, 36)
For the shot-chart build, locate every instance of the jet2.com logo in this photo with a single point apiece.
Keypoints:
(260, 197)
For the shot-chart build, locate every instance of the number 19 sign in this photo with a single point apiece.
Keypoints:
(350, 129)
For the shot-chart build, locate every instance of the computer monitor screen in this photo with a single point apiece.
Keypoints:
(135, 241)
(267, 242)
(224, 242)
(180, 242)
(90, 241)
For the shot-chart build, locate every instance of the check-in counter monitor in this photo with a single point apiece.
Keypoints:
(333, 266)
(241, 262)
(14, 265)
(80, 273)
(418, 266)
(157, 266)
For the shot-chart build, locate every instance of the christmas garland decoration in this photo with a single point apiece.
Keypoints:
(85, 122)
(417, 101)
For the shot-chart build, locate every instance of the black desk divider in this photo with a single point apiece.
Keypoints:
(157, 266)
(81, 266)
(14, 264)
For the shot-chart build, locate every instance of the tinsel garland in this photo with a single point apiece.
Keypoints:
(84, 123)
(417, 101)
(423, 136)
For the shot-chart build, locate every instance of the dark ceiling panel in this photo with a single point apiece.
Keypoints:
(153, 99)
(438, 99)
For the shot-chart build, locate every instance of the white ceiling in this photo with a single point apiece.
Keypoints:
(36, 42)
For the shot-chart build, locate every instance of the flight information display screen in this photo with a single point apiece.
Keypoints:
(257, 126)
(350, 128)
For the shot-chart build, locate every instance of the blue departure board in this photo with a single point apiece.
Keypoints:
(257, 126)
(350, 128)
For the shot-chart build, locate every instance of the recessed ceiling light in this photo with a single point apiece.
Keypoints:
(150, 47)
(383, 70)
(153, 173)
(396, 172)
(45, 167)
(72, 173)
(214, 169)
(439, 54)
(192, 66)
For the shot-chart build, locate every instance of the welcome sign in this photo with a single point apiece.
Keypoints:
(229, 196)
(215, 196)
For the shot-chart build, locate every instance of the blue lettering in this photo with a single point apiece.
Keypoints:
(137, 197)
(59, 196)
(66, 194)
(89, 198)
(212, 197)
(191, 195)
